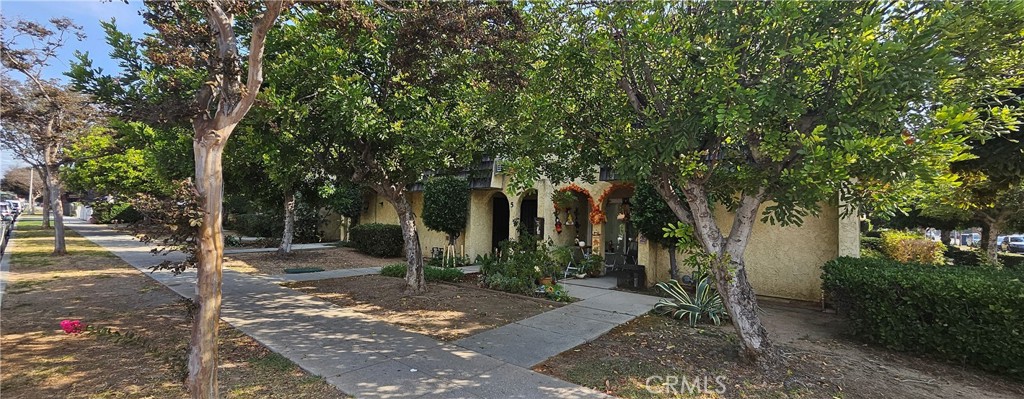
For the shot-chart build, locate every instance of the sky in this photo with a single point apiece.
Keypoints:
(88, 14)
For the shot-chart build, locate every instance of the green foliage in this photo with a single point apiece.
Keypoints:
(446, 204)
(377, 239)
(521, 263)
(651, 215)
(873, 243)
(705, 301)
(431, 273)
(255, 224)
(973, 257)
(122, 211)
(557, 293)
(909, 247)
(967, 315)
(453, 261)
(564, 199)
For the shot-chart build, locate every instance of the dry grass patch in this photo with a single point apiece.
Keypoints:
(141, 348)
(446, 312)
(327, 259)
(821, 364)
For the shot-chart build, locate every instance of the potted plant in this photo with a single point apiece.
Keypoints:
(594, 266)
(563, 199)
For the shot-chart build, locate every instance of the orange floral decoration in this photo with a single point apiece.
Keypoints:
(597, 215)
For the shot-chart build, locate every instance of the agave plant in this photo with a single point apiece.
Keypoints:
(704, 301)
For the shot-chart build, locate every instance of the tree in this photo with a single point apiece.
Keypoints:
(40, 118)
(784, 106)
(203, 64)
(651, 215)
(446, 207)
(21, 181)
(391, 95)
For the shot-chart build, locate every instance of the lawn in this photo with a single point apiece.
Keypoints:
(136, 345)
(327, 259)
(823, 363)
(446, 312)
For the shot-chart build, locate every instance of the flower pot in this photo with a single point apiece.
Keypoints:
(545, 281)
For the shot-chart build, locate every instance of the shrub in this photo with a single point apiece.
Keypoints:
(376, 239)
(705, 301)
(911, 248)
(429, 272)
(256, 224)
(123, 212)
(1012, 261)
(873, 243)
(446, 204)
(521, 263)
(970, 315)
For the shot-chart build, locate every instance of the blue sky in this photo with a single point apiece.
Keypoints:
(88, 14)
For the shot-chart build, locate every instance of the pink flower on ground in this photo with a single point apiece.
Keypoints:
(72, 326)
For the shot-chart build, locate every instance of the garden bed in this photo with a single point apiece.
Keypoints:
(822, 363)
(143, 352)
(446, 311)
(327, 259)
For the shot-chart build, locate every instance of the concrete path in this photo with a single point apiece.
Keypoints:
(528, 342)
(360, 356)
(295, 247)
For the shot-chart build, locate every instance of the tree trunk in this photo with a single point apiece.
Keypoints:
(57, 207)
(415, 283)
(989, 233)
(946, 236)
(730, 273)
(46, 205)
(289, 224)
(202, 361)
(673, 268)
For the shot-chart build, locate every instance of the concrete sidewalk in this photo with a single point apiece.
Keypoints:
(360, 356)
(528, 342)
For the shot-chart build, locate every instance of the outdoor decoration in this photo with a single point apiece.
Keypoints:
(558, 225)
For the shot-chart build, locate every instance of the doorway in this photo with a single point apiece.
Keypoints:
(499, 220)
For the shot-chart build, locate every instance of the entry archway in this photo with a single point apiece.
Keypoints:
(499, 220)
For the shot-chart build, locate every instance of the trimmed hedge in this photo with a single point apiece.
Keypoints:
(969, 315)
(910, 247)
(377, 239)
(123, 212)
(429, 272)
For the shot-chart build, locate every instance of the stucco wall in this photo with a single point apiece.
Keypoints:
(782, 262)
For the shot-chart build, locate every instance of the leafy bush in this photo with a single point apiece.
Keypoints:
(912, 248)
(969, 315)
(446, 204)
(557, 293)
(123, 212)
(521, 263)
(705, 301)
(1012, 261)
(873, 243)
(429, 272)
(255, 224)
(377, 239)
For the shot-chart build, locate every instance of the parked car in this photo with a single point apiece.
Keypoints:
(5, 211)
(970, 239)
(1015, 244)
(15, 206)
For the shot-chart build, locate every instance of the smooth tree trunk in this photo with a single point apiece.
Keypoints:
(208, 150)
(946, 236)
(289, 225)
(46, 205)
(415, 283)
(57, 207)
(729, 270)
(989, 234)
(673, 268)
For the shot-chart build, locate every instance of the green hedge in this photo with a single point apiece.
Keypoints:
(123, 212)
(429, 272)
(969, 315)
(874, 243)
(376, 239)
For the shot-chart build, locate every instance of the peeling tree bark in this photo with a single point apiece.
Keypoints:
(415, 282)
(289, 225)
(730, 273)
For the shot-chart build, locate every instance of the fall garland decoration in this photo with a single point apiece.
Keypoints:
(597, 215)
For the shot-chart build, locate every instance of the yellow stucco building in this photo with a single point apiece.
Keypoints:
(782, 262)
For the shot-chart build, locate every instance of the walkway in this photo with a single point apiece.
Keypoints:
(360, 356)
(528, 342)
